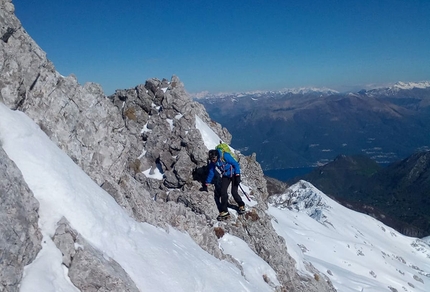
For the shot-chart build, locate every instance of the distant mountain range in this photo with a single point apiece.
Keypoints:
(319, 90)
(397, 195)
(309, 126)
(259, 93)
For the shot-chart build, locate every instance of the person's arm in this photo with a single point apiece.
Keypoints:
(211, 173)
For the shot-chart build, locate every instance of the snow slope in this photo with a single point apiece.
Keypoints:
(355, 251)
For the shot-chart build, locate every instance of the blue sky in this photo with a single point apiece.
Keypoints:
(223, 46)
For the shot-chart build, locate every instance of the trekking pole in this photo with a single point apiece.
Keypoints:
(246, 195)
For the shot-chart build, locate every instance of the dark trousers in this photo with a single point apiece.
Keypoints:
(222, 197)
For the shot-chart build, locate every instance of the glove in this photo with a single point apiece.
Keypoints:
(237, 180)
(204, 188)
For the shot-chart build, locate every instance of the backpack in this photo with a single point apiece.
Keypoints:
(223, 147)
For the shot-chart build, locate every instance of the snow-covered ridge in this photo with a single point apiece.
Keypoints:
(355, 251)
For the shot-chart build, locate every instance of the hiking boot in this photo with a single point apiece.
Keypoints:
(241, 210)
(223, 216)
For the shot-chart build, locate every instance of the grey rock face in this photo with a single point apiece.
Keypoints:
(66, 111)
(89, 270)
(20, 236)
(122, 140)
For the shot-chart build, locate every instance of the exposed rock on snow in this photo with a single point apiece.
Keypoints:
(302, 196)
(20, 235)
(89, 269)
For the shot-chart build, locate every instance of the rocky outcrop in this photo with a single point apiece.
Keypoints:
(20, 235)
(89, 269)
(142, 146)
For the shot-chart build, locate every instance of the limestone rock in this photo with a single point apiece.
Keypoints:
(20, 235)
(89, 269)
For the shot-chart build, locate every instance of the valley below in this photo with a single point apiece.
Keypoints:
(310, 128)
(368, 150)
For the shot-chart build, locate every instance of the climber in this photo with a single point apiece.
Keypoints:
(230, 173)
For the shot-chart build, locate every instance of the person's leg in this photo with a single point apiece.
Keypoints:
(225, 182)
(236, 195)
(217, 198)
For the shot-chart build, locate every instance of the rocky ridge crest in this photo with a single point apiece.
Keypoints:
(114, 139)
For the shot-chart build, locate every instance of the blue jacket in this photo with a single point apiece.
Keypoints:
(227, 165)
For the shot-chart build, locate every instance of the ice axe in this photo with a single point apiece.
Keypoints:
(246, 195)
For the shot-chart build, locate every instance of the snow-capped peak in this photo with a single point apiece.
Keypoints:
(303, 196)
(410, 85)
